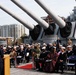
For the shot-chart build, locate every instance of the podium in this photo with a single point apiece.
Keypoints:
(6, 64)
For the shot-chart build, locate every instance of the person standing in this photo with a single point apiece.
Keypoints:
(61, 60)
(1, 60)
(69, 51)
(28, 53)
(51, 60)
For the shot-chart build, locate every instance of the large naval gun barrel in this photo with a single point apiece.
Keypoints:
(49, 29)
(35, 31)
(65, 27)
(25, 23)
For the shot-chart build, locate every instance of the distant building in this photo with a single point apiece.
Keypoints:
(6, 41)
(12, 30)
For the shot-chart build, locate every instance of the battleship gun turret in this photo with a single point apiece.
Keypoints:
(35, 31)
(49, 29)
(64, 27)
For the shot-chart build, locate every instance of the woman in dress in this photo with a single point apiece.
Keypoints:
(52, 59)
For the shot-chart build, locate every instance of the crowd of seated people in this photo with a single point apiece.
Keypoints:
(52, 59)
(49, 57)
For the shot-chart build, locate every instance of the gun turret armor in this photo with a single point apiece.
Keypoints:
(65, 27)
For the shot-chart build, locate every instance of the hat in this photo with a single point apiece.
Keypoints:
(63, 47)
(50, 43)
(69, 46)
(60, 45)
(4, 47)
(43, 47)
(54, 47)
(44, 44)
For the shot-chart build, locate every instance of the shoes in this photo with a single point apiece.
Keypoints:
(62, 72)
(56, 72)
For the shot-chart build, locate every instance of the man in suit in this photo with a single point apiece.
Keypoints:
(69, 51)
(61, 60)
(1, 60)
